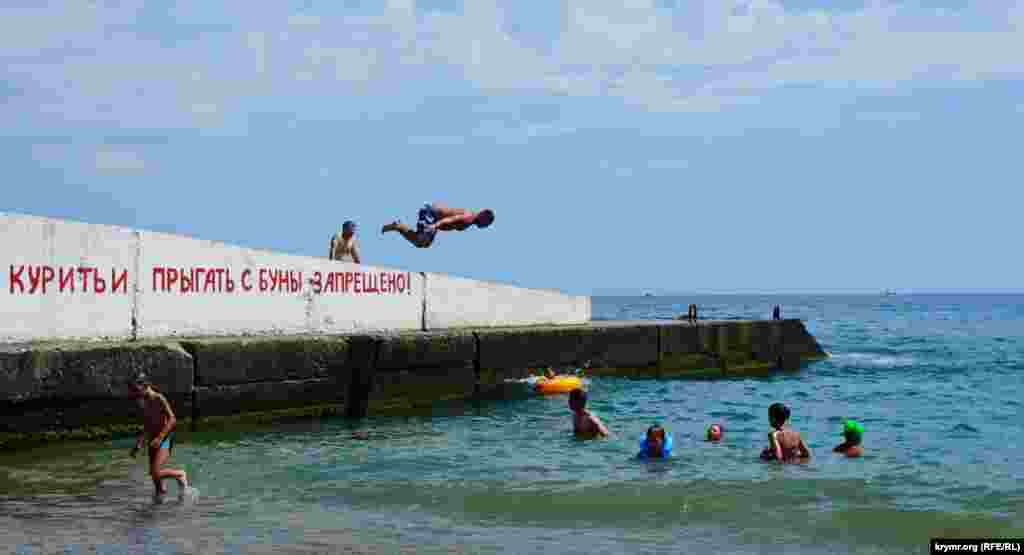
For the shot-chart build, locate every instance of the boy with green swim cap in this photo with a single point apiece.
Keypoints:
(853, 433)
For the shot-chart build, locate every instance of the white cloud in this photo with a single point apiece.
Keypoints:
(91, 63)
(119, 161)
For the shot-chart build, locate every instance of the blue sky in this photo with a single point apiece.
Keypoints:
(709, 146)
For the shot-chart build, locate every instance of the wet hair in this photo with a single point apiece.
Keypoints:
(778, 413)
(485, 218)
(656, 428)
(578, 396)
(142, 381)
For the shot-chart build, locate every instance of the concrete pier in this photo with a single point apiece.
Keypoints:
(68, 390)
(234, 333)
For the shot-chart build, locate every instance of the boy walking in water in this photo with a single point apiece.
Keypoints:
(434, 217)
(584, 424)
(159, 424)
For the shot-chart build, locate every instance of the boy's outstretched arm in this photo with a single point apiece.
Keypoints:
(600, 425)
(139, 438)
(804, 451)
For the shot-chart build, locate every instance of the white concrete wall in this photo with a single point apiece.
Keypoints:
(453, 302)
(242, 297)
(38, 256)
(51, 271)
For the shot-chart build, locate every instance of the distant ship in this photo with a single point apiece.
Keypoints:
(888, 293)
(648, 294)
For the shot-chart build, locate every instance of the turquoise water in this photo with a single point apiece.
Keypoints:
(936, 380)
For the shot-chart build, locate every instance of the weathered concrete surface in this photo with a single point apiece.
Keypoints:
(74, 371)
(80, 389)
(234, 361)
(509, 353)
(453, 302)
(233, 400)
(69, 280)
(421, 368)
(246, 298)
(48, 279)
(734, 347)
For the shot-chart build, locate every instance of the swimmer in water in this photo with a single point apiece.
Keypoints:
(853, 433)
(783, 445)
(159, 425)
(584, 424)
(655, 443)
(714, 432)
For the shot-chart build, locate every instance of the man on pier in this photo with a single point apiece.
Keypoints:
(434, 217)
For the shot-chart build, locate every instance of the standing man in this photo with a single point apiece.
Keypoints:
(434, 217)
(343, 245)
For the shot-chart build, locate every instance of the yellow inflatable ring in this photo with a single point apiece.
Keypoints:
(558, 384)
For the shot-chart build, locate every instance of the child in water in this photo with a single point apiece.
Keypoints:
(584, 424)
(159, 424)
(656, 445)
(853, 432)
(783, 445)
(714, 432)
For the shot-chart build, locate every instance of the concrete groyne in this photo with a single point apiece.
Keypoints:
(68, 390)
(229, 332)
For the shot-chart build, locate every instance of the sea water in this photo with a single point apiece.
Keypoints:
(936, 381)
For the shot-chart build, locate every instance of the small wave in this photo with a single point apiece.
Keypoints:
(733, 416)
(964, 428)
(870, 360)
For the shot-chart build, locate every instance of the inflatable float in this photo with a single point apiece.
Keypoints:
(541, 385)
(558, 384)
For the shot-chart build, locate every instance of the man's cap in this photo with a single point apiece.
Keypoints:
(349, 224)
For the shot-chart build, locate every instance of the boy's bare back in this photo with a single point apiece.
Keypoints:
(586, 424)
(156, 414)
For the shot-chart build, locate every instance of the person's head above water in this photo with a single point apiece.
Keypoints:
(853, 432)
(577, 399)
(714, 432)
(778, 414)
(484, 218)
(655, 438)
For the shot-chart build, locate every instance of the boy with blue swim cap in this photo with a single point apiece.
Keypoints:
(853, 433)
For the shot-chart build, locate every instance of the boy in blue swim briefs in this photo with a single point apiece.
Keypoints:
(159, 424)
(434, 217)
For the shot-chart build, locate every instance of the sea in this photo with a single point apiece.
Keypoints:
(936, 380)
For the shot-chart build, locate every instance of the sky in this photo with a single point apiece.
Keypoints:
(669, 146)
